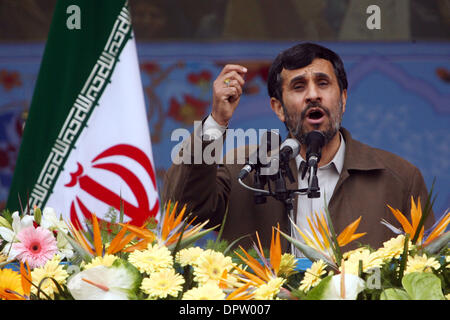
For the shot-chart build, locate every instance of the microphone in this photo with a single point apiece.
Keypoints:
(289, 149)
(254, 159)
(314, 140)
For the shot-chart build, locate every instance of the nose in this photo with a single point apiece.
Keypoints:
(313, 94)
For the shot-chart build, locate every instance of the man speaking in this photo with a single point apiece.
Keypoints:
(307, 86)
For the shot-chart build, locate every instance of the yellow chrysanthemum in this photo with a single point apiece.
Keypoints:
(368, 259)
(211, 266)
(189, 256)
(287, 265)
(393, 248)
(10, 281)
(313, 275)
(107, 260)
(421, 264)
(152, 259)
(269, 290)
(208, 291)
(163, 283)
(52, 269)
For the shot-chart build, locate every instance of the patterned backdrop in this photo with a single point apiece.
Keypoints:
(399, 97)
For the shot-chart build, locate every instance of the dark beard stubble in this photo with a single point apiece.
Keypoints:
(295, 125)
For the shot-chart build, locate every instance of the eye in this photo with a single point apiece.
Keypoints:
(323, 83)
(298, 86)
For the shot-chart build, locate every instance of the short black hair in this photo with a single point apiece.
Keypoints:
(300, 56)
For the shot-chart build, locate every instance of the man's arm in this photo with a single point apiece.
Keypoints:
(204, 186)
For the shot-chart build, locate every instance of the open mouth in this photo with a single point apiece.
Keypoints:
(315, 115)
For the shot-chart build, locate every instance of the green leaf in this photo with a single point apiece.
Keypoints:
(190, 240)
(233, 243)
(394, 294)
(438, 244)
(403, 258)
(335, 243)
(317, 293)
(5, 223)
(38, 216)
(219, 236)
(423, 286)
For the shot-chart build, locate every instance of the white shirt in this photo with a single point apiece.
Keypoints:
(328, 176)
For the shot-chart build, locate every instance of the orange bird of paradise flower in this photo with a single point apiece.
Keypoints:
(412, 227)
(97, 249)
(320, 236)
(173, 225)
(268, 269)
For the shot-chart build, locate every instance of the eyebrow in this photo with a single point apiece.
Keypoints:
(319, 75)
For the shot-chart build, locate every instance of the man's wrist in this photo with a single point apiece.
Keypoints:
(212, 130)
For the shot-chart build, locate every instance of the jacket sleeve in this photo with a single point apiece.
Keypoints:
(197, 181)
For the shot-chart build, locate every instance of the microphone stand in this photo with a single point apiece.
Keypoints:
(315, 141)
(259, 183)
(313, 183)
(281, 193)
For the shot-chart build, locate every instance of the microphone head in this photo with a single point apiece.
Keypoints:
(292, 145)
(315, 137)
(314, 140)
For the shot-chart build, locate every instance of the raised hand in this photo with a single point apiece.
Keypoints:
(227, 91)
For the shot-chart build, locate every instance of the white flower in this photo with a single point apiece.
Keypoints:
(353, 285)
(117, 282)
(52, 221)
(65, 250)
(10, 235)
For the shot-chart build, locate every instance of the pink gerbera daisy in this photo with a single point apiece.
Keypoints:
(36, 246)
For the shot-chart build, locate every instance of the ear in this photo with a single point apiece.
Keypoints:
(344, 99)
(277, 107)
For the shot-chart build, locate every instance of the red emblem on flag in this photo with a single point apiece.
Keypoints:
(138, 214)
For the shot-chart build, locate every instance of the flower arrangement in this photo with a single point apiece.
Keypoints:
(44, 257)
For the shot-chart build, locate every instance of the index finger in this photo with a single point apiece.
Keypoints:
(234, 67)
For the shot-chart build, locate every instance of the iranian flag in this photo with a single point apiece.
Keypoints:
(86, 145)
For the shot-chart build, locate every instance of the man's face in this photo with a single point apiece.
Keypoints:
(311, 100)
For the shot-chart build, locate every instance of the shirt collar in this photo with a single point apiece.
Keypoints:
(337, 161)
